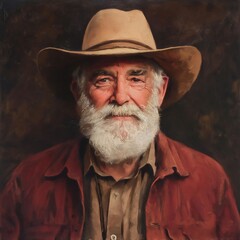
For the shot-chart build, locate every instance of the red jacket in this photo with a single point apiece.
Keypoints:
(190, 197)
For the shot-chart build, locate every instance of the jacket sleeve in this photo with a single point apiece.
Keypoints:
(10, 211)
(228, 215)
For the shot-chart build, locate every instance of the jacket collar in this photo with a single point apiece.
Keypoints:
(167, 158)
(71, 157)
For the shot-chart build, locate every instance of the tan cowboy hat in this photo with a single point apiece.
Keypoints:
(112, 32)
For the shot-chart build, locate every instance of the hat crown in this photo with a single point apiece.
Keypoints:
(124, 28)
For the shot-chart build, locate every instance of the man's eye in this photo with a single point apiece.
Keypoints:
(102, 82)
(137, 81)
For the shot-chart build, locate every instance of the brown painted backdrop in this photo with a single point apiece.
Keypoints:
(207, 118)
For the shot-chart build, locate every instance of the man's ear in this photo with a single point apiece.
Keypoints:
(162, 90)
(75, 90)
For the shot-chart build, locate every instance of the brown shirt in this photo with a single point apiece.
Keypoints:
(122, 213)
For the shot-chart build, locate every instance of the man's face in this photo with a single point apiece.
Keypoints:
(118, 107)
(120, 81)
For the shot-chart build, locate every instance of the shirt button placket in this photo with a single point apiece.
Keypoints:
(114, 214)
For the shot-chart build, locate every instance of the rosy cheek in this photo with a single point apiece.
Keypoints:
(141, 98)
(99, 97)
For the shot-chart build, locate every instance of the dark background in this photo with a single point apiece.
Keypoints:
(207, 118)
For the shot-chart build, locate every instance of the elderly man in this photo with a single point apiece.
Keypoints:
(123, 179)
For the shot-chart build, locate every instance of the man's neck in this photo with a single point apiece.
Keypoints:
(119, 171)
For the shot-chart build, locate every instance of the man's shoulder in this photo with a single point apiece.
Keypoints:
(195, 161)
(36, 164)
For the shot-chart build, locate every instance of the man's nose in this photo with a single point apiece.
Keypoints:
(121, 92)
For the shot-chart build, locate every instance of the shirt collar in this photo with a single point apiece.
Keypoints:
(67, 157)
(88, 160)
(149, 158)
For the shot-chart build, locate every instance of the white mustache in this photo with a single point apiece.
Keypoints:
(124, 110)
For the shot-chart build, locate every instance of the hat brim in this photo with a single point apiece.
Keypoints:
(182, 65)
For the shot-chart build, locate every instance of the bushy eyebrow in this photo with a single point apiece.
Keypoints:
(101, 72)
(137, 72)
(131, 72)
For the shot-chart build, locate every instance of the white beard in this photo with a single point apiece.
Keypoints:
(116, 141)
